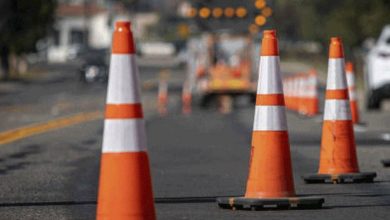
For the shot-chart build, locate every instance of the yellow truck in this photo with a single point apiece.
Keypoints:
(226, 74)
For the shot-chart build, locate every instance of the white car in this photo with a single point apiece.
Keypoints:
(377, 72)
(162, 49)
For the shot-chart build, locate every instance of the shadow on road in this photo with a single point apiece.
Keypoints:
(358, 206)
(8, 163)
(158, 200)
(57, 203)
(205, 199)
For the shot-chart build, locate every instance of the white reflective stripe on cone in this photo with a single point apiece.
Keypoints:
(124, 135)
(289, 87)
(270, 118)
(352, 94)
(285, 88)
(163, 87)
(337, 110)
(269, 81)
(295, 87)
(301, 87)
(311, 92)
(350, 79)
(312, 81)
(336, 74)
(351, 86)
(310, 88)
(123, 82)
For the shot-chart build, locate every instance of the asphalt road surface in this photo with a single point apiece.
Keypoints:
(53, 174)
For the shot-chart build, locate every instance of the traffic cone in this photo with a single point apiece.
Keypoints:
(295, 93)
(186, 98)
(125, 189)
(286, 91)
(270, 180)
(302, 105)
(312, 93)
(352, 92)
(162, 97)
(291, 92)
(338, 159)
(288, 101)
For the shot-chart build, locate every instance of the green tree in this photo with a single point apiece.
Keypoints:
(353, 20)
(22, 24)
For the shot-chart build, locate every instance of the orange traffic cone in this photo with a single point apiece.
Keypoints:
(162, 97)
(289, 94)
(186, 98)
(352, 92)
(338, 159)
(286, 91)
(125, 189)
(295, 93)
(270, 180)
(302, 92)
(312, 94)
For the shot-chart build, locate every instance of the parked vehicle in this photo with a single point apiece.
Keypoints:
(157, 49)
(377, 71)
(94, 65)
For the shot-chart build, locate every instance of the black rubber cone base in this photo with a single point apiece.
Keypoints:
(255, 204)
(386, 163)
(366, 177)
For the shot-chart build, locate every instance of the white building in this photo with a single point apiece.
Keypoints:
(79, 25)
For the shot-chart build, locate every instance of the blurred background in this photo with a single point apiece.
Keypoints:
(198, 65)
(41, 35)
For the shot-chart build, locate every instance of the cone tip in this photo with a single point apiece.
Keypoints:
(122, 24)
(349, 67)
(313, 72)
(123, 38)
(335, 40)
(269, 33)
(336, 48)
(269, 46)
